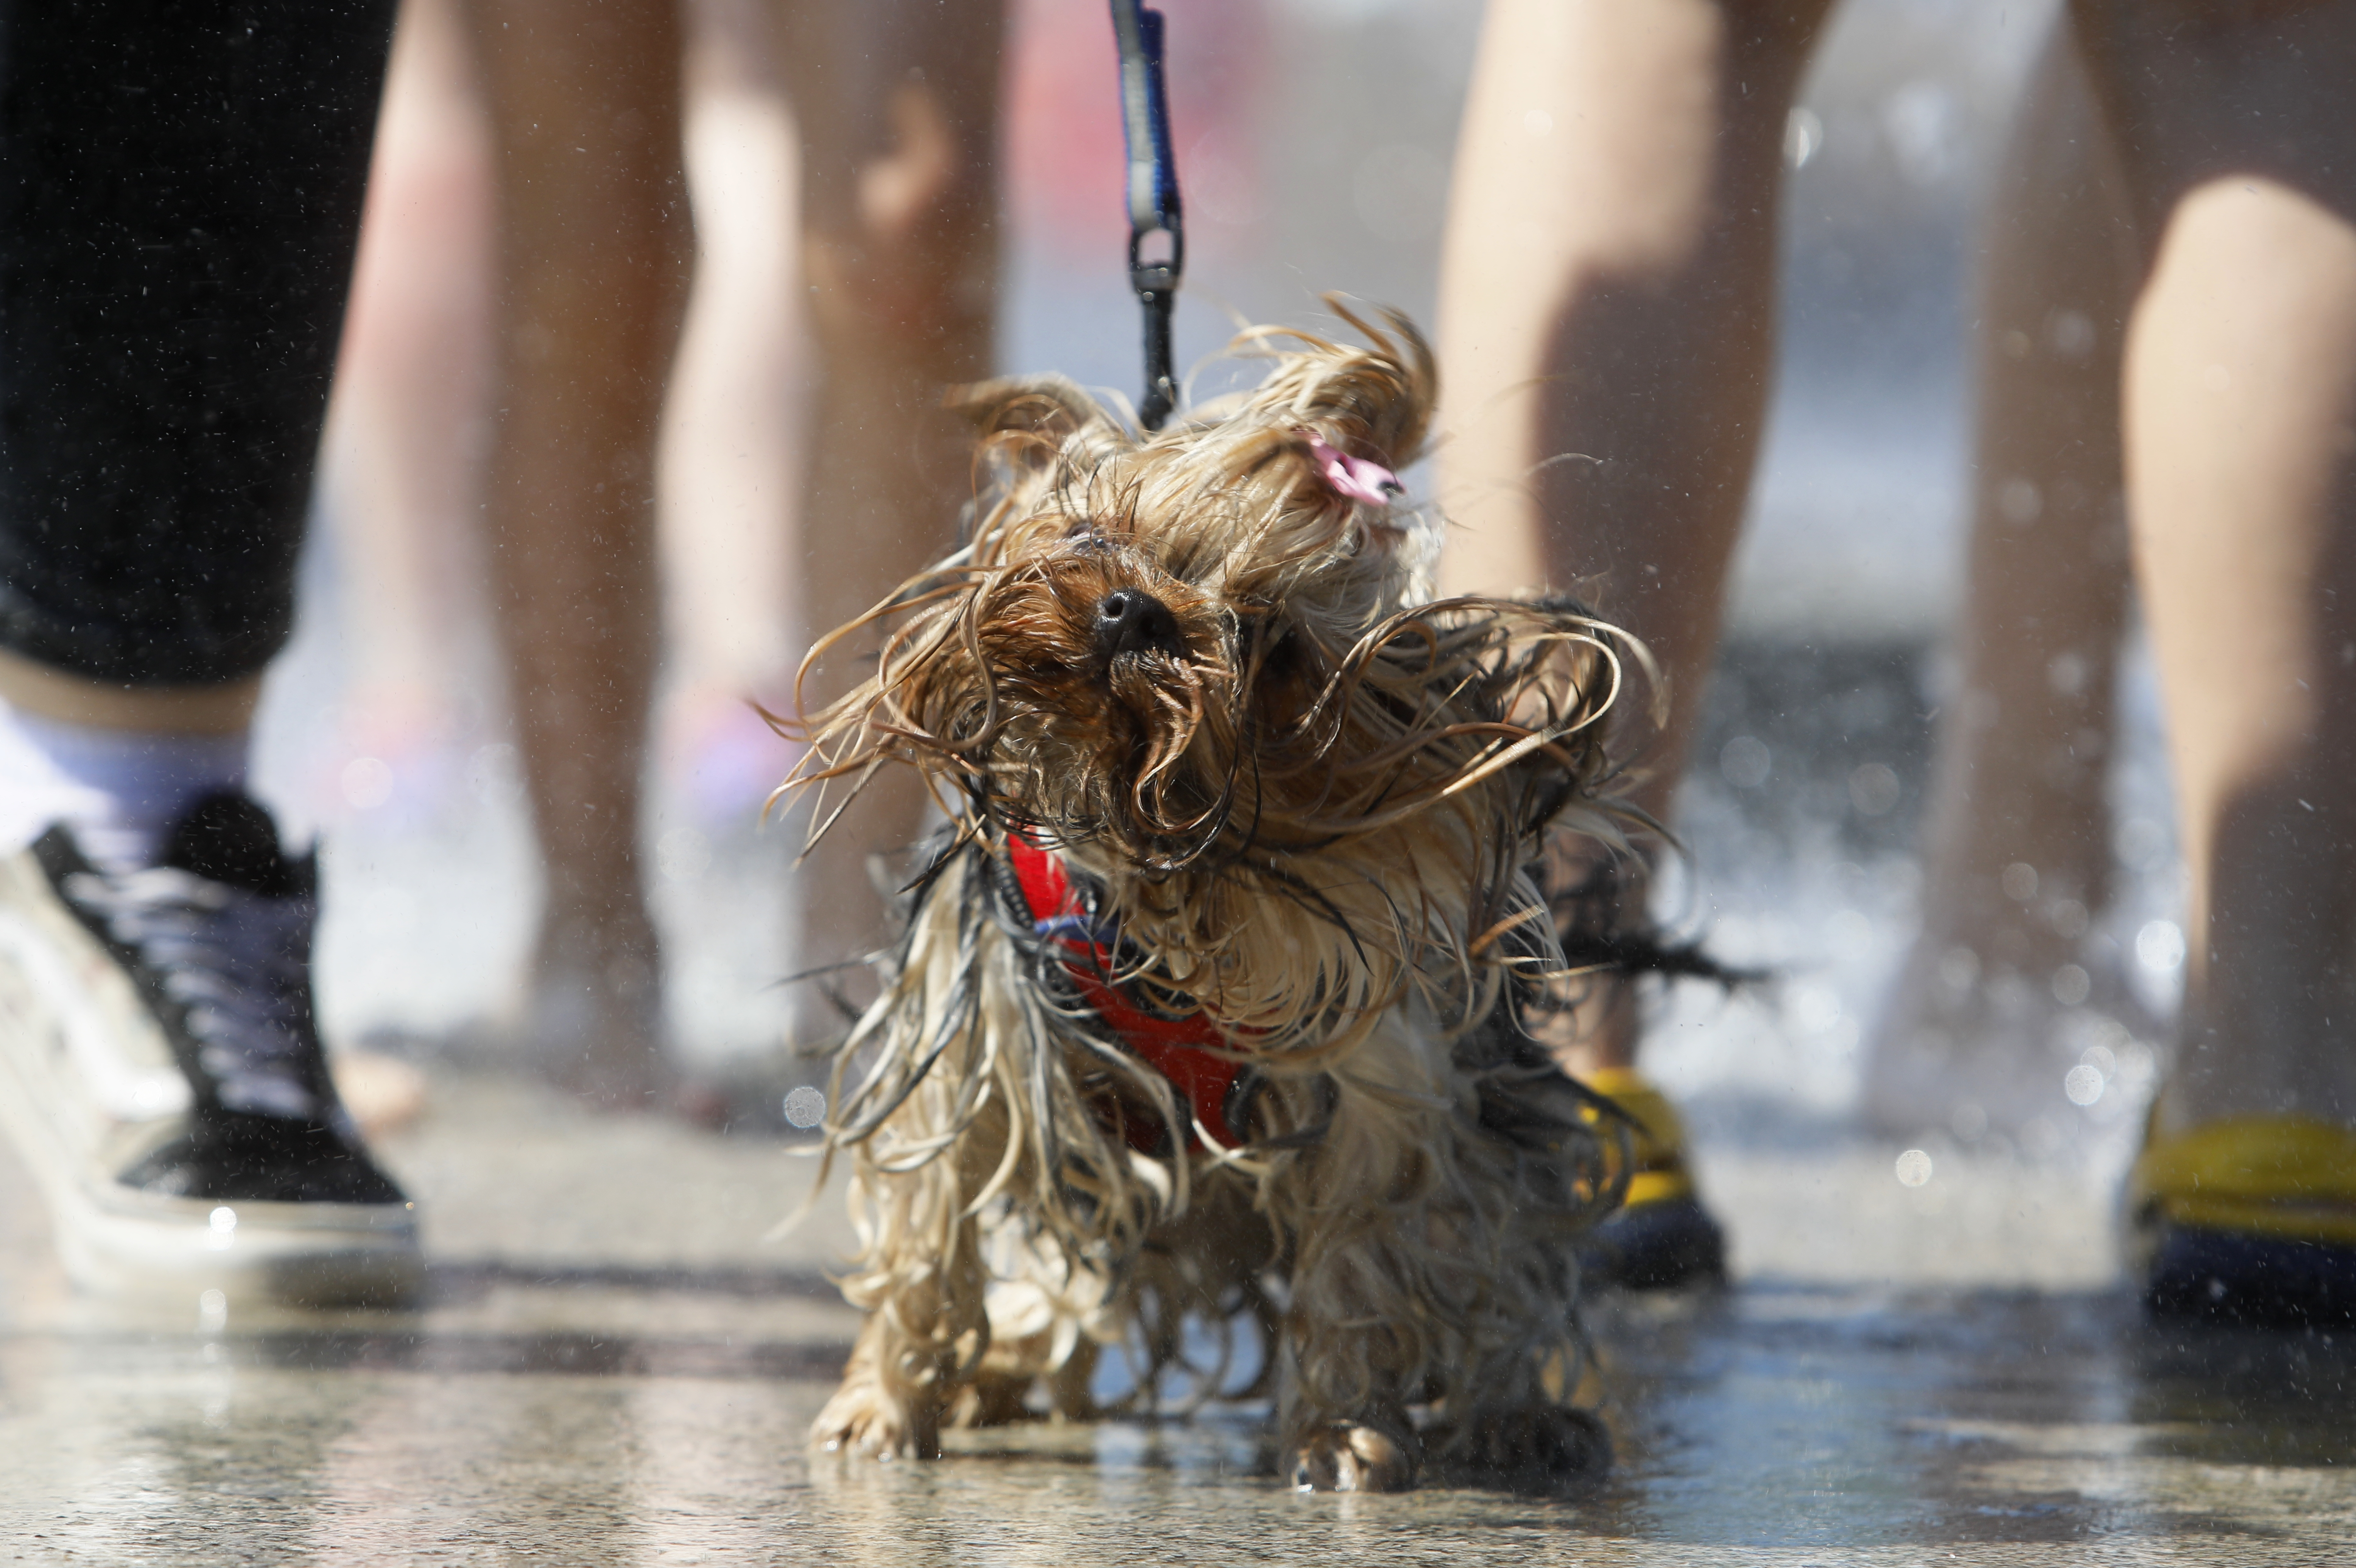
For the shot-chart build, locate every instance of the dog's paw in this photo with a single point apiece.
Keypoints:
(862, 1420)
(1533, 1448)
(1349, 1458)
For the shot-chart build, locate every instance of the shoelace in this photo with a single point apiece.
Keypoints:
(234, 961)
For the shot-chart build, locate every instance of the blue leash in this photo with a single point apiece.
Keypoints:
(1152, 196)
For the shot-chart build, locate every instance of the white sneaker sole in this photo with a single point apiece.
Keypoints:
(73, 1113)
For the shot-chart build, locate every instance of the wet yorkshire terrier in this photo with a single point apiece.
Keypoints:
(1213, 1001)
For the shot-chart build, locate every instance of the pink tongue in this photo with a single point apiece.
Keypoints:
(1353, 477)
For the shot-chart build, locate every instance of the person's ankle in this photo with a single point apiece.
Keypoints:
(217, 708)
(119, 791)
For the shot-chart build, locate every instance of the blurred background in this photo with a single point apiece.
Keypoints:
(1314, 141)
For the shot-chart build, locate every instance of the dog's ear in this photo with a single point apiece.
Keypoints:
(1028, 428)
(1372, 402)
(1046, 408)
(1377, 399)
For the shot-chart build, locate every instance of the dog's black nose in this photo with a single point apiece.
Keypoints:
(1130, 620)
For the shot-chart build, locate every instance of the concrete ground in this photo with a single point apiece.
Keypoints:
(618, 1364)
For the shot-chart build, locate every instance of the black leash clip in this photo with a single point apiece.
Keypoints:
(1157, 235)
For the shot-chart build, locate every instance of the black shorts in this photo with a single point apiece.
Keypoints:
(180, 188)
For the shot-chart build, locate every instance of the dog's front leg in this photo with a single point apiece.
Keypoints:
(1344, 1424)
(890, 1403)
(924, 1327)
(1356, 1351)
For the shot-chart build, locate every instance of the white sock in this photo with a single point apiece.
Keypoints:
(120, 790)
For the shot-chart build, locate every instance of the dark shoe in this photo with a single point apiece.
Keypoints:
(1661, 1237)
(161, 1073)
(2251, 1219)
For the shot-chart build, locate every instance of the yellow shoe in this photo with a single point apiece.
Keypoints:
(2253, 1217)
(1661, 1237)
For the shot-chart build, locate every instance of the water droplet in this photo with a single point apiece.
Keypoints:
(1924, 130)
(368, 782)
(1804, 137)
(683, 855)
(2070, 335)
(2159, 946)
(2083, 1084)
(2140, 843)
(2066, 673)
(2020, 501)
(1874, 789)
(1914, 1168)
(495, 774)
(1815, 1008)
(1746, 762)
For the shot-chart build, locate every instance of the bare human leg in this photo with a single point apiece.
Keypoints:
(730, 472)
(594, 259)
(897, 109)
(402, 461)
(2018, 826)
(2240, 398)
(1606, 298)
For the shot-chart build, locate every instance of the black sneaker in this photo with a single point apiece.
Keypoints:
(1661, 1238)
(161, 1073)
(2248, 1219)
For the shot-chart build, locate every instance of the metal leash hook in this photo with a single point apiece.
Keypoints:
(1152, 198)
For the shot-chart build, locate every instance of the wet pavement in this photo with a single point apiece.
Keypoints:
(619, 1362)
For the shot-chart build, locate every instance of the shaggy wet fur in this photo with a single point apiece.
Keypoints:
(1308, 799)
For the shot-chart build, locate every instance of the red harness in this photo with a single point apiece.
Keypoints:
(1183, 1050)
